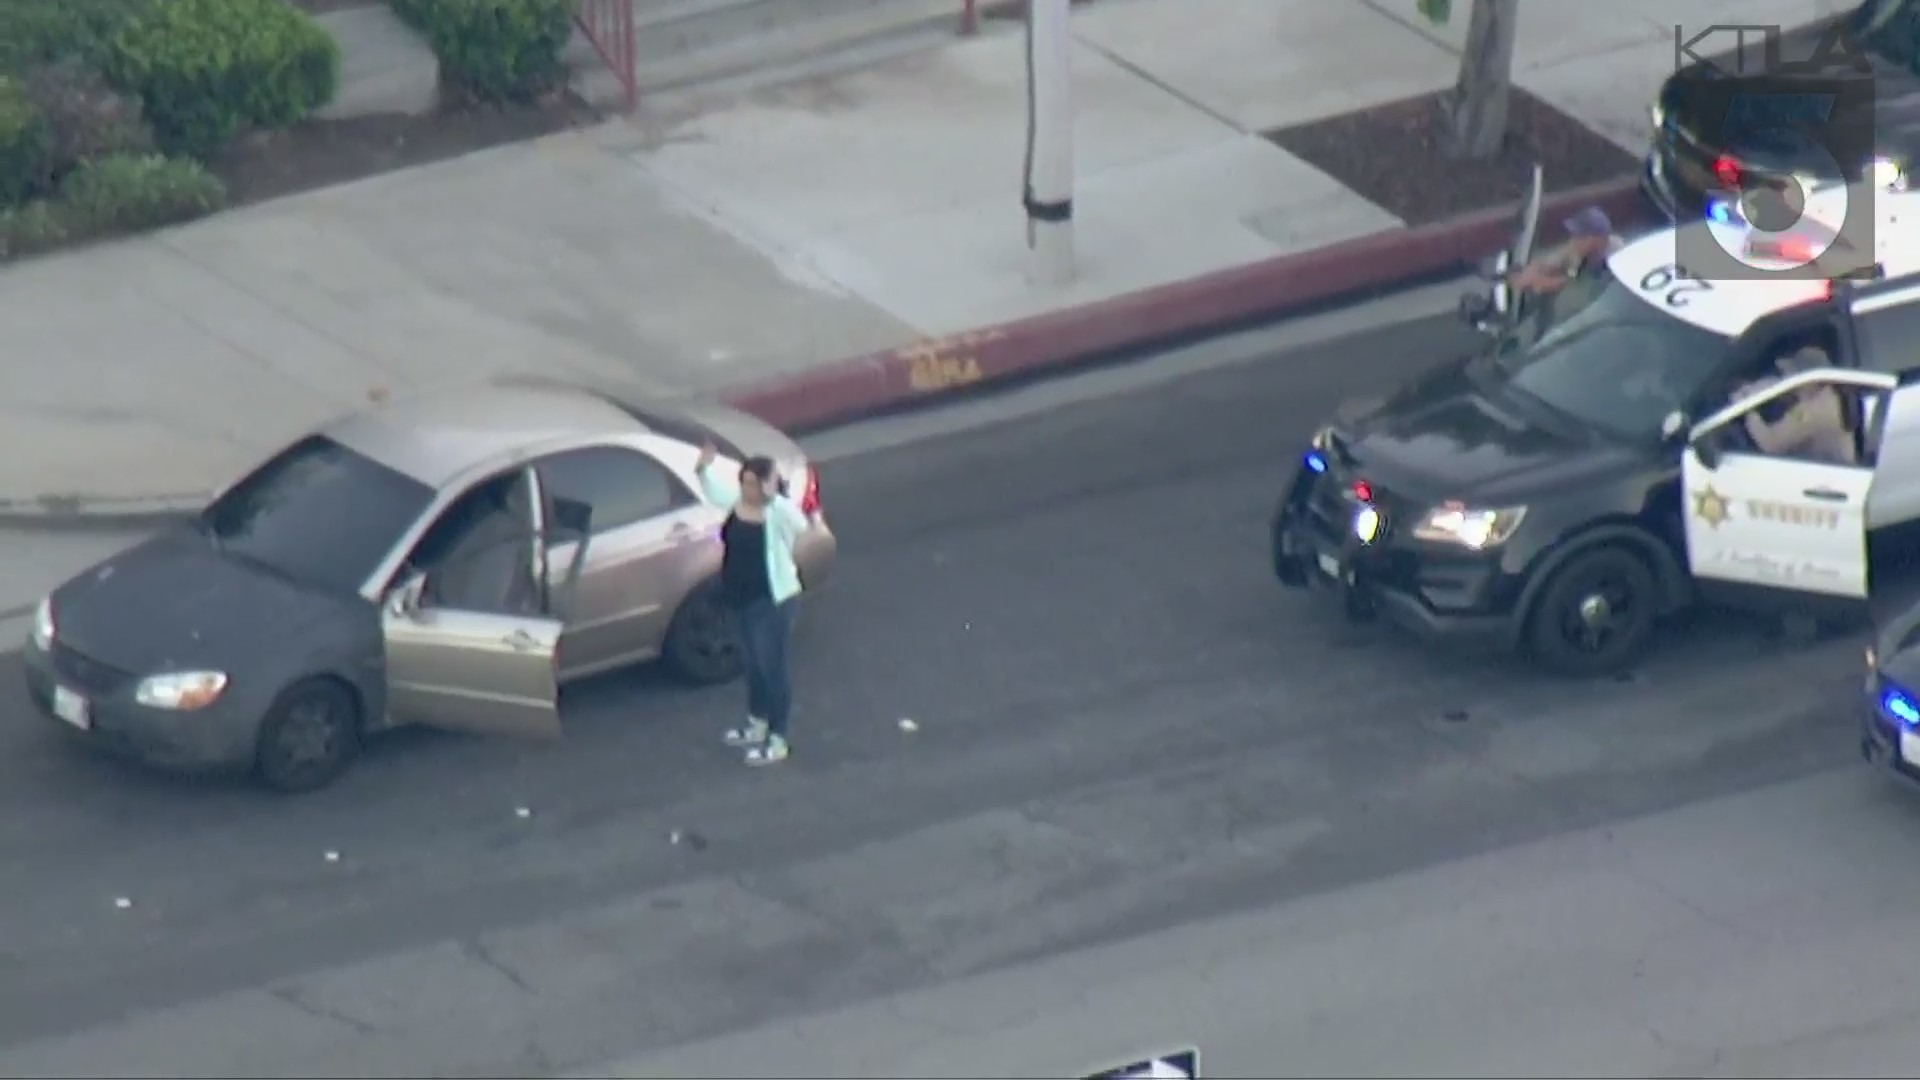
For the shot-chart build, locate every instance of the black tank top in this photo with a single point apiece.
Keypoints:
(743, 562)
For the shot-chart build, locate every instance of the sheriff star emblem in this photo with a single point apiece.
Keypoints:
(1712, 507)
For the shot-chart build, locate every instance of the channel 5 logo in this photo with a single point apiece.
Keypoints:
(1782, 114)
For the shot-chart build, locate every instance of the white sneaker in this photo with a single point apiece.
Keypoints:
(771, 752)
(753, 734)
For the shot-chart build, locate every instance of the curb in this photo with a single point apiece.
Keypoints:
(937, 369)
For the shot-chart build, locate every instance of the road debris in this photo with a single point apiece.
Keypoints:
(908, 725)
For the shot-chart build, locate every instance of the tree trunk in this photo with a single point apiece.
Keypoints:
(1481, 94)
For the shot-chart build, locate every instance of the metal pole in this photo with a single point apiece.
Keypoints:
(1049, 187)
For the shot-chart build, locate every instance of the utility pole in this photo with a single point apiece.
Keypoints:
(1049, 186)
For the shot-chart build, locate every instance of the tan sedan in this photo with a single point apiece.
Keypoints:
(447, 559)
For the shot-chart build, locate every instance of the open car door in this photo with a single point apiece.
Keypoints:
(1785, 530)
(470, 647)
(1507, 303)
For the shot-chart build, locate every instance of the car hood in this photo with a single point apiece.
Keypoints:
(1444, 436)
(1896, 102)
(175, 603)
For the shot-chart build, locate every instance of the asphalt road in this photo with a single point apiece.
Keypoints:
(1121, 724)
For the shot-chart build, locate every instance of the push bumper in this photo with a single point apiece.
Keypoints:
(1361, 576)
(219, 738)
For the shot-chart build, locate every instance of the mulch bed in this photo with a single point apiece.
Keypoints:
(1395, 156)
(322, 152)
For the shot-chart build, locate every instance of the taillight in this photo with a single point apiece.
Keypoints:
(810, 498)
(1726, 170)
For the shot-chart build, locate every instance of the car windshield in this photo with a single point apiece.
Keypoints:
(1608, 359)
(1891, 30)
(318, 513)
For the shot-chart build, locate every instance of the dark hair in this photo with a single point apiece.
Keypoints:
(763, 469)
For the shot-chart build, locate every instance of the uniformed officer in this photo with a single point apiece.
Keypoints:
(1813, 421)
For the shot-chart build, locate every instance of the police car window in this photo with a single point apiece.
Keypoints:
(1889, 339)
(1617, 365)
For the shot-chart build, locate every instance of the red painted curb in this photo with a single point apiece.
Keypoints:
(927, 370)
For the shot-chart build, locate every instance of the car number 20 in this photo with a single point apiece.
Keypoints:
(1674, 284)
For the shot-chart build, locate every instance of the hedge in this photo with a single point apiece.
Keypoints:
(26, 144)
(495, 51)
(40, 31)
(206, 70)
(121, 193)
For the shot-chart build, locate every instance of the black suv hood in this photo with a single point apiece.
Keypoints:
(175, 603)
(1699, 115)
(1445, 436)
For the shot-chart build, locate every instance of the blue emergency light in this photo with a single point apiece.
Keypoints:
(1898, 705)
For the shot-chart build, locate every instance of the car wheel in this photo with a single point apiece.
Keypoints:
(703, 642)
(1596, 614)
(310, 737)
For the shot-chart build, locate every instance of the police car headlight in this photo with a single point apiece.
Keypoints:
(1888, 174)
(1322, 438)
(1366, 525)
(1657, 115)
(1469, 528)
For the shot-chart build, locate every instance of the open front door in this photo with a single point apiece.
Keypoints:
(1506, 302)
(1779, 521)
(472, 647)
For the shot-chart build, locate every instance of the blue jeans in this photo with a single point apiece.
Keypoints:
(765, 628)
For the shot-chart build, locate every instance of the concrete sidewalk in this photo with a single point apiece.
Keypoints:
(740, 240)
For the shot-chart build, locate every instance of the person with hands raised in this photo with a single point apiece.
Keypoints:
(761, 586)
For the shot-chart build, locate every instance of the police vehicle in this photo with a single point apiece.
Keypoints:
(1719, 125)
(1597, 465)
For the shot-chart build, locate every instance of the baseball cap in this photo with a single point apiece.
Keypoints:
(1592, 221)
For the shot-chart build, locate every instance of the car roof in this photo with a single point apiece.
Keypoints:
(435, 436)
(1730, 306)
(1733, 305)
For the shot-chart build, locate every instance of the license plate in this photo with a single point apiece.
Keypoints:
(1329, 565)
(1910, 747)
(71, 707)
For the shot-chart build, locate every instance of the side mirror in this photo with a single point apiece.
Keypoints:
(404, 601)
(1707, 452)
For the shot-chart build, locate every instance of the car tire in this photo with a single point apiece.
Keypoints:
(703, 641)
(1596, 614)
(310, 737)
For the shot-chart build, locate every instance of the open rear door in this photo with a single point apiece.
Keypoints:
(1785, 529)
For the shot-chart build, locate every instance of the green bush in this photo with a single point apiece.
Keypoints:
(30, 229)
(495, 51)
(86, 118)
(130, 192)
(121, 193)
(25, 145)
(39, 31)
(206, 70)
